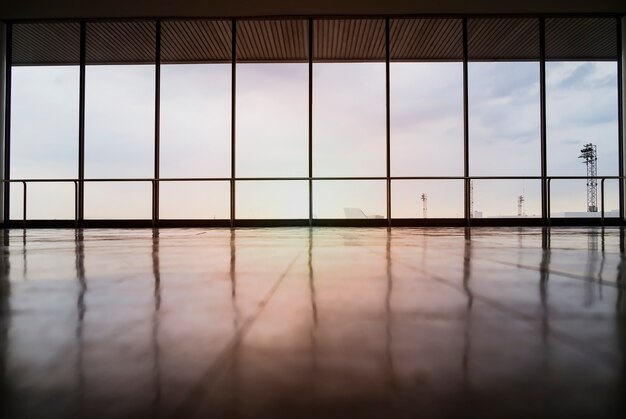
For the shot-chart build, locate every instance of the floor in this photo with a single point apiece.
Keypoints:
(323, 322)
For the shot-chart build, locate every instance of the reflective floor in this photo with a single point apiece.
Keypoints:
(299, 323)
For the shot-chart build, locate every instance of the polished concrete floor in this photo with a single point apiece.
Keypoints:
(323, 322)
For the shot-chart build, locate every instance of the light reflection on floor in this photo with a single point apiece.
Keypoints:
(323, 322)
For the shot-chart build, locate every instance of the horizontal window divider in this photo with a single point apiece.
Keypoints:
(315, 222)
(325, 178)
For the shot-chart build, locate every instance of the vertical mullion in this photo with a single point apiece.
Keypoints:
(542, 99)
(467, 184)
(620, 113)
(7, 123)
(233, 83)
(81, 124)
(157, 125)
(387, 123)
(310, 122)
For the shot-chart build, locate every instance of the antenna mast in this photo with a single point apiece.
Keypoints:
(590, 158)
(520, 205)
(424, 199)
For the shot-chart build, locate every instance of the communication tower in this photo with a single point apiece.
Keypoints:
(520, 205)
(590, 158)
(424, 199)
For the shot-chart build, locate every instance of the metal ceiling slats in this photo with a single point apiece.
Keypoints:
(439, 38)
(46, 43)
(195, 36)
(120, 43)
(349, 40)
(133, 49)
(272, 41)
(222, 39)
(273, 36)
(400, 31)
(195, 41)
(426, 39)
(581, 39)
(456, 42)
(286, 40)
(190, 37)
(499, 39)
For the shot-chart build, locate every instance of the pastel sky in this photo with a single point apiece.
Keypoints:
(348, 137)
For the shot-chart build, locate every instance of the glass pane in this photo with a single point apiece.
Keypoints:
(17, 201)
(118, 200)
(281, 199)
(44, 122)
(45, 201)
(272, 120)
(194, 200)
(349, 137)
(427, 199)
(426, 119)
(119, 121)
(350, 199)
(505, 198)
(504, 119)
(569, 199)
(581, 109)
(195, 120)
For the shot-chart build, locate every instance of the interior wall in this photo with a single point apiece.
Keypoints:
(60, 9)
(2, 111)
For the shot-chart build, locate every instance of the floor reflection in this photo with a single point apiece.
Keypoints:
(313, 322)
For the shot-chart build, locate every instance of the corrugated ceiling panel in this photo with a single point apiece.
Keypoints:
(334, 40)
(120, 43)
(581, 39)
(349, 40)
(272, 40)
(46, 43)
(426, 40)
(195, 41)
(498, 39)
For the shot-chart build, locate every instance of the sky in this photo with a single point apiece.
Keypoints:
(348, 137)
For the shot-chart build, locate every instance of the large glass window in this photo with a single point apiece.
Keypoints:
(119, 116)
(272, 99)
(349, 134)
(504, 114)
(349, 98)
(44, 119)
(272, 117)
(426, 91)
(195, 118)
(581, 108)
(346, 113)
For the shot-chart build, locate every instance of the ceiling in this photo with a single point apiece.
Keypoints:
(334, 40)
(68, 9)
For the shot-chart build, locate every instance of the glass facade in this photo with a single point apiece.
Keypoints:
(315, 119)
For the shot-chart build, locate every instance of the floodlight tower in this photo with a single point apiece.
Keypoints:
(424, 199)
(520, 205)
(590, 158)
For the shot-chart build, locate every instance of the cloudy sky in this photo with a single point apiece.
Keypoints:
(348, 130)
